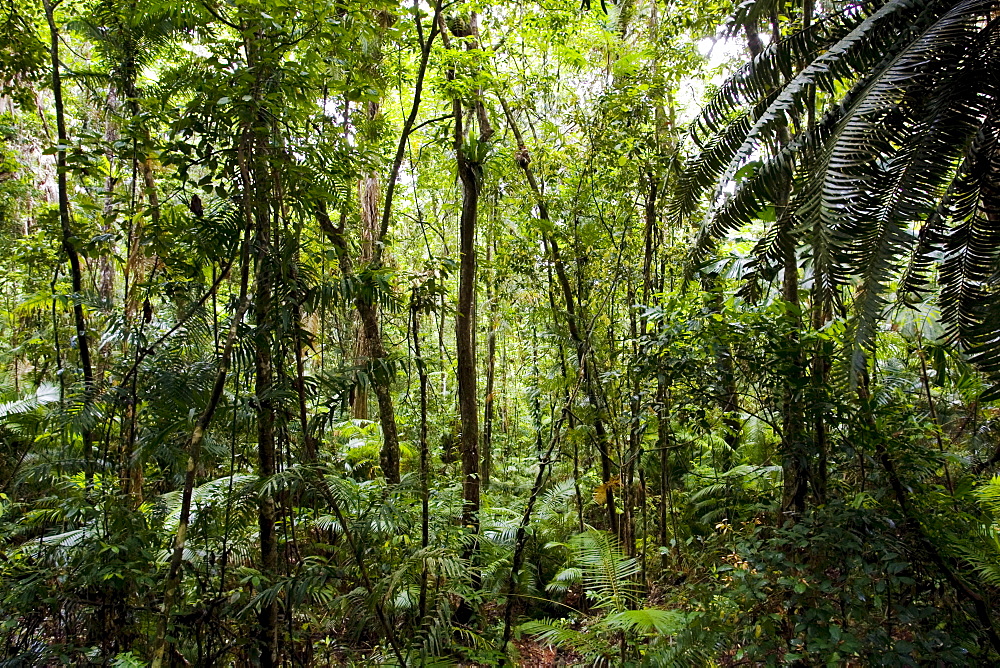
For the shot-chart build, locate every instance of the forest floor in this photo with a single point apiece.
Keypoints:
(533, 655)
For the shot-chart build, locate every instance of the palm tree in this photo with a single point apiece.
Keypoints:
(892, 169)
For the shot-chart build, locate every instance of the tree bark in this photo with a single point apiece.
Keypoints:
(491, 352)
(389, 453)
(424, 452)
(468, 157)
(68, 238)
(267, 618)
(258, 192)
(368, 201)
(471, 175)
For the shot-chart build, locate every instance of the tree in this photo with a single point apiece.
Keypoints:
(893, 178)
(277, 209)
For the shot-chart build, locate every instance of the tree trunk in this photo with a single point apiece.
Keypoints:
(794, 454)
(822, 314)
(666, 488)
(368, 202)
(264, 389)
(258, 192)
(491, 352)
(471, 175)
(68, 237)
(389, 453)
(424, 454)
(468, 157)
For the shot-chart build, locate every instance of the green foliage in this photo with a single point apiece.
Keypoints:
(210, 486)
(895, 163)
(22, 50)
(609, 579)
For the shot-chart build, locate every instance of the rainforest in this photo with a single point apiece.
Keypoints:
(516, 333)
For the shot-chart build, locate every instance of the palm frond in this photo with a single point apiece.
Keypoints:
(891, 164)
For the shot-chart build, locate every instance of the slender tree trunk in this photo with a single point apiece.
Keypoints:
(664, 442)
(634, 451)
(106, 268)
(822, 314)
(258, 192)
(470, 172)
(820, 370)
(661, 441)
(795, 456)
(309, 449)
(66, 226)
(491, 352)
(389, 453)
(267, 618)
(368, 203)
(424, 454)
(795, 451)
(471, 175)
(257, 195)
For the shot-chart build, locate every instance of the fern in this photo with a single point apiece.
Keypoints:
(647, 621)
(608, 577)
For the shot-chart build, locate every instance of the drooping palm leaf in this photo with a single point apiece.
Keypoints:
(900, 165)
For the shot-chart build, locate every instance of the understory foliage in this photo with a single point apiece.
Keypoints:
(605, 334)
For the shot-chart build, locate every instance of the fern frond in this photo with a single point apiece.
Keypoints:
(607, 574)
(647, 621)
